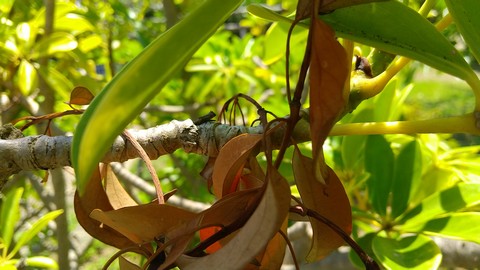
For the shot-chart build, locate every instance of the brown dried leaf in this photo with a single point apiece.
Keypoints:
(117, 195)
(329, 200)
(230, 161)
(143, 223)
(273, 255)
(328, 74)
(95, 198)
(260, 228)
(80, 96)
(127, 265)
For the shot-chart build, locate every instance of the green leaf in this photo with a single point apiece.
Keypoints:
(10, 213)
(379, 162)
(388, 26)
(57, 81)
(42, 262)
(39, 225)
(365, 242)
(73, 23)
(56, 42)
(457, 225)
(411, 252)
(6, 6)
(465, 15)
(450, 200)
(139, 81)
(408, 170)
(26, 77)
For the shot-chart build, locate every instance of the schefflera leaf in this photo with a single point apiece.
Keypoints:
(138, 82)
(410, 252)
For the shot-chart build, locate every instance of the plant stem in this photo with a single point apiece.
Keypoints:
(458, 124)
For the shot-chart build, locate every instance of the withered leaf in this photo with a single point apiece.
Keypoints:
(80, 96)
(329, 200)
(117, 195)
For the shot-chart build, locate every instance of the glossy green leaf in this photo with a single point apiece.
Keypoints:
(26, 77)
(408, 170)
(73, 23)
(411, 252)
(450, 200)
(41, 262)
(56, 42)
(457, 225)
(10, 213)
(465, 15)
(61, 8)
(139, 81)
(388, 26)
(379, 162)
(39, 225)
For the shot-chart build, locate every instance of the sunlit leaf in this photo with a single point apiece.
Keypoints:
(54, 43)
(328, 73)
(453, 199)
(6, 5)
(410, 252)
(9, 215)
(41, 262)
(467, 21)
(329, 200)
(457, 225)
(26, 77)
(80, 96)
(117, 195)
(379, 162)
(39, 225)
(137, 83)
(73, 23)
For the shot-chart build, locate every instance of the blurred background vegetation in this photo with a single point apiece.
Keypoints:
(47, 47)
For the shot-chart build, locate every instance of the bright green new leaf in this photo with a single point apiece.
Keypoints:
(39, 225)
(450, 200)
(457, 225)
(465, 15)
(411, 252)
(408, 170)
(5, 6)
(379, 162)
(26, 77)
(139, 81)
(41, 262)
(56, 42)
(388, 26)
(10, 213)
(73, 23)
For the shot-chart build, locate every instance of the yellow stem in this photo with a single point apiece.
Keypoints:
(458, 124)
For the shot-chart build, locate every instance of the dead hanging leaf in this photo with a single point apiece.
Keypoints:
(273, 255)
(80, 96)
(144, 223)
(329, 200)
(127, 265)
(230, 162)
(253, 237)
(117, 195)
(95, 198)
(328, 73)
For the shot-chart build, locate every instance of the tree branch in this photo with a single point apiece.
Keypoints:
(45, 152)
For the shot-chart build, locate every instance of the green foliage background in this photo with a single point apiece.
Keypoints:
(397, 184)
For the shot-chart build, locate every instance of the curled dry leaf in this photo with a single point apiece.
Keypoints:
(231, 160)
(252, 238)
(328, 74)
(329, 200)
(117, 195)
(95, 198)
(80, 96)
(144, 223)
(126, 264)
